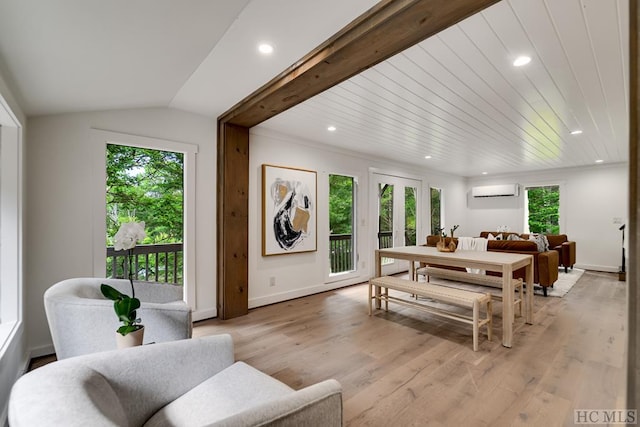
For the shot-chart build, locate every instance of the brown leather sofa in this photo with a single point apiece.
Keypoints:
(545, 264)
(566, 249)
(559, 242)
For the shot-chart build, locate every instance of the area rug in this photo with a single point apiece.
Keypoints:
(565, 282)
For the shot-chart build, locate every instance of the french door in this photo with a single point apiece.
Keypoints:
(397, 202)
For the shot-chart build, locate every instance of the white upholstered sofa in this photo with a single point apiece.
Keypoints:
(192, 382)
(82, 320)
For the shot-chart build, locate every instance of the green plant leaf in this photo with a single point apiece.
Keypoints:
(126, 308)
(111, 293)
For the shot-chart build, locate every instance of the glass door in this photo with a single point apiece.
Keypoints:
(397, 216)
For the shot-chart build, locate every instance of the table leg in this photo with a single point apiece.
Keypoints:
(529, 295)
(507, 306)
(378, 273)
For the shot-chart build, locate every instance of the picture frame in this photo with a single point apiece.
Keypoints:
(289, 211)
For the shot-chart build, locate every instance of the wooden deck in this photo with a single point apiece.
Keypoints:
(396, 369)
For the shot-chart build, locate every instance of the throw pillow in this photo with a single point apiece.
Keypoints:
(514, 237)
(491, 237)
(546, 243)
(540, 242)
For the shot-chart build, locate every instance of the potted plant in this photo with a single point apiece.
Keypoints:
(131, 332)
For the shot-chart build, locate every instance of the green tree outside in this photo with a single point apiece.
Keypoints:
(544, 206)
(146, 185)
(410, 214)
(385, 215)
(341, 204)
(436, 210)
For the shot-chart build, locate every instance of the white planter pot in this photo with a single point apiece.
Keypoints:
(132, 339)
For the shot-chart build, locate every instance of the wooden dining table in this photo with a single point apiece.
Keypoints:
(502, 262)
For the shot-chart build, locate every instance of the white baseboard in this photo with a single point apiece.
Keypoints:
(209, 313)
(605, 268)
(298, 293)
(43, 350)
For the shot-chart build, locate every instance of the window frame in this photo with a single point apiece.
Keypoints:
(103, 137)
(525, 203)
(441, 193)
(11, 225)
(344, 275)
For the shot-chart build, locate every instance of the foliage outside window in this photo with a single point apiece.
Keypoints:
(436, 211)
(385, 216)
(146, 185)
(543, 208)
(341, 223)
(410, 216)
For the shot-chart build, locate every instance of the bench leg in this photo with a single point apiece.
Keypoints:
(370, 296)
(476, 318)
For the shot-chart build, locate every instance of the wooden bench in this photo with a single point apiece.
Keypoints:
(447, 295)
(478, 279)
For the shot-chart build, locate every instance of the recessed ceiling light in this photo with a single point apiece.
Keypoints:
(427, 157)
(331, 128)
(521, 60)
(576, 132)
(599, 161)
(484, 173)
(265, 48)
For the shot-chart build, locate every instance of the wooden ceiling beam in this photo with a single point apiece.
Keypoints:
(385, 30)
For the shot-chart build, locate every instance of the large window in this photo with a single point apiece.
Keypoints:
(398, 214)
(187, 152)
(10, 222)
(410, 230)
(542, 209)
(342, 202)
(144, 184)
(436, 210)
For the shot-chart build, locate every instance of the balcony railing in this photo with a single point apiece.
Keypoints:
(385, 239)
(341, 253)
(151, 263)
(341, 250)
(164, 262)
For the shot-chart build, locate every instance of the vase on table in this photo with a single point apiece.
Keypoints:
(446, 244)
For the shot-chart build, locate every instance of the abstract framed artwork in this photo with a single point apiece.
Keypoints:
(288, 210)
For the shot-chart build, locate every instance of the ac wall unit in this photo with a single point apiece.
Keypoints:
(496, 190)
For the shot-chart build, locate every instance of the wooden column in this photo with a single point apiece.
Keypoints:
(233, 220)
(389, 27)
(633, 296)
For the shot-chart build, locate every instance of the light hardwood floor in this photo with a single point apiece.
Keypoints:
(406, 367)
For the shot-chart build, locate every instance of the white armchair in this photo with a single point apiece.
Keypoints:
(188, 383)
(82, 320)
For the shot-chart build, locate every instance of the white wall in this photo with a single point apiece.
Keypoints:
(59, 219)
(13, 342)
(303, 274)
(590, 198)
(62, 162)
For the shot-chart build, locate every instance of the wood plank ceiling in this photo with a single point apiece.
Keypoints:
(457, 97)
